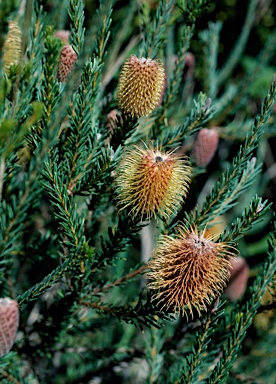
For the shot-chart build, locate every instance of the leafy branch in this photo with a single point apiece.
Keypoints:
(141, 314)
(227, 188)
(199, 115)
(245, 316)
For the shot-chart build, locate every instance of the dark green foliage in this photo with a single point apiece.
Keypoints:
(72, 259)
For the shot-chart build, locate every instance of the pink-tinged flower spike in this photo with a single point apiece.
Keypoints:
(150, 181)
(12, 47)
(9, 316)
(238, 279)
(67, 59)
(140, 87)
(205, 146)
(188, 271)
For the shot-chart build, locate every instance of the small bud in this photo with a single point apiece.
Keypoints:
(67, 59)
(9, 316)
(12, 46)
(140, 87)
(205, 146)
(112, 115)
(253, 162)
(63, 35)
(238, 279)
(208, 103)
(188, 271)
(189, 64)
(260, 208)
(151, 181)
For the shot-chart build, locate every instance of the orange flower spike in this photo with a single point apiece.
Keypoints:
(141, 85)
(188, 271)
(152, 181)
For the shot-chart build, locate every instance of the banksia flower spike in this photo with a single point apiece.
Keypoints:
(67, 59)
(12, 46)
(188, 271)
(205, 146)
(9, 316)
(140, 87)
(151, 181)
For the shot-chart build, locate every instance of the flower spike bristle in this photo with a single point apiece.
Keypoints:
(151, 181)
(141, 85)
(188, 270)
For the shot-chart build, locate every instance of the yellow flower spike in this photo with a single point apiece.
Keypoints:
(140, 87)
(188, 270)
(12, 47)
(150, 181)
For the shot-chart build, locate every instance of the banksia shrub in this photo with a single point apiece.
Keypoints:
(12, 47)
(67, 60)
(188, 271)
(140, 86)
(150, 181)
(205, 146)
(95, 177)
(9, 317)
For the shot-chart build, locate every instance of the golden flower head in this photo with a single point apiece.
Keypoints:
(152, 181)
(12, 46)
(67, 60)
(141, 83)
(188, 270)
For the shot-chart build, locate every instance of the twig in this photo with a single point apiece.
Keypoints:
(120, 281)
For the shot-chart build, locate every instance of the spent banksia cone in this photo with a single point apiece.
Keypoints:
(205, 146)
(140, 87)
(67, 59)
(188, 270)
(9, 316)
(152, 181)
(13, 46)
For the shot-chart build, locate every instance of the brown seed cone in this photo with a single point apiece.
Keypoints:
(151, 181)
(12, 46)
(9, 316)
(205, 146)
(67, 59)
(188, 271)
(140, 87)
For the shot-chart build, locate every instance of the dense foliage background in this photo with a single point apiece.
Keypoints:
(74, 262)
